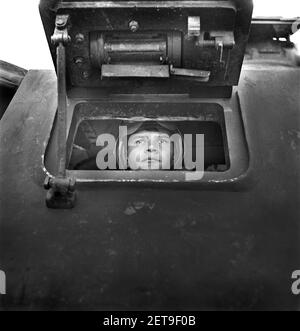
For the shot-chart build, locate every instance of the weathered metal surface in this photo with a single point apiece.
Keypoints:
(270, 41)
(146, 248)
(264, 27)
(11, 77)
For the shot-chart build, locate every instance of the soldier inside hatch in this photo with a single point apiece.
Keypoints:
(150, 146)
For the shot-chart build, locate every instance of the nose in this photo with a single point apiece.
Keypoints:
(151, 147)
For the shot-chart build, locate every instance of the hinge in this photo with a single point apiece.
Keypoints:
(61, 192)
(61, 34)
(61, 189)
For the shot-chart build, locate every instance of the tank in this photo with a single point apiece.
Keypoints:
(221, 237)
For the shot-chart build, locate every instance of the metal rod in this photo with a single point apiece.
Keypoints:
(146, 4)
(62, 109)
(136, 46)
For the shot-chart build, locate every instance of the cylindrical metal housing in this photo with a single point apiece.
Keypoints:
(139, 48)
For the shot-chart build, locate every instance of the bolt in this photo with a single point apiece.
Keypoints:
(47, 183)
(79, 38)
(85, 74)
(60, 23)
(134, 26)
(79, 60)
(72, 184)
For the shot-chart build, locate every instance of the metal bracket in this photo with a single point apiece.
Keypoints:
(201, 75)
(158, 71)
(61, 192)
(61, 34)
(134, 70)
(61, 189)
(217, 39)
(194, 26)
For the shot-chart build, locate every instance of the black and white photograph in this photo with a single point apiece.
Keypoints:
(149, 158)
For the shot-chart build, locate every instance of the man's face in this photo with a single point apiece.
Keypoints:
(149, 150)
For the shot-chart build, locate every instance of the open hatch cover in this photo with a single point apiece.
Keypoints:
(197, 41)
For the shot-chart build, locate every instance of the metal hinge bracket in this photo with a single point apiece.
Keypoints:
(61, 192)
(61, 189)
(61, 34)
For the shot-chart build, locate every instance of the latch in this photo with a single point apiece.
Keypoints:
(218, 39)
(61, 192)
(61, 189)
(210, 39)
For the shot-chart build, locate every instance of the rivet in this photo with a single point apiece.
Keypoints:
(134, 26)
(79, 60)
(79, 38)
(60, 22)
(86, 75)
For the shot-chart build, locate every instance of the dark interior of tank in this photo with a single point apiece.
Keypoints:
(92, 119)
(84, 149)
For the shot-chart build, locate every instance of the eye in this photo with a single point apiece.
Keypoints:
(138, 142)
(163, 141)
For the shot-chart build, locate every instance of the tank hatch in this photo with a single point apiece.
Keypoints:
(107, 41)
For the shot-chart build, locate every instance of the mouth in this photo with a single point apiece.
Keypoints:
(150, 160)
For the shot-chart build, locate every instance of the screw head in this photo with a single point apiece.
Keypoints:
(133, 26)
(60, 22)
(79, 38)
(79, 60)
(47, 183)
(86, 75)
(72, 184)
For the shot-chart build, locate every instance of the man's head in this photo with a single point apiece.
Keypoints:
(150, 146)
(149, 150)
